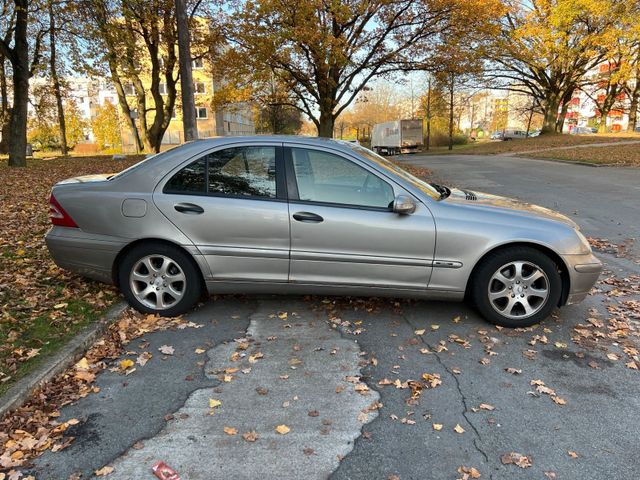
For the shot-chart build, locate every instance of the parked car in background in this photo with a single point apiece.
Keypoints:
(534, 133)
(583, 131)
(305, 215)
(496, 135)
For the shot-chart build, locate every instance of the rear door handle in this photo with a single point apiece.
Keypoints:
(189, 208)
(307, 217)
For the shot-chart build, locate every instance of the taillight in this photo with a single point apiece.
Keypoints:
(58, 216)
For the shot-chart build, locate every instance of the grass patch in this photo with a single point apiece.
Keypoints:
(619, 155)
(41, 306)
(545, 142)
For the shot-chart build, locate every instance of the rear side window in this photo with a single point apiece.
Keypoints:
(235, 172)
(243, 171)
(191, 179)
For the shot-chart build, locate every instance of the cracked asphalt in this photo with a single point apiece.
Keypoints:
(315, 357)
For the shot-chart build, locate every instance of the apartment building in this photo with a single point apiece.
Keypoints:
(582, 110)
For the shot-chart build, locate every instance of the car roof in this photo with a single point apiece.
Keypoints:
(213, 141)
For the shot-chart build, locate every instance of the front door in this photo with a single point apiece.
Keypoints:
(232, 204)
(343, 229)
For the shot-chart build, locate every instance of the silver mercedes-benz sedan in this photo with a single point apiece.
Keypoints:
(311, 216)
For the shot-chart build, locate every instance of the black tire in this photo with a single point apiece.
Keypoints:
(479, 285)
(192, 287)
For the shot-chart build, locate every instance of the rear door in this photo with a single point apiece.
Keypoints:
(232, 204)
(343, 231)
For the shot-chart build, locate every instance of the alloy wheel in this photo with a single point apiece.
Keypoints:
(518, 290)
(157, 282)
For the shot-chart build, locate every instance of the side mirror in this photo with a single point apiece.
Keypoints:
(404, 205)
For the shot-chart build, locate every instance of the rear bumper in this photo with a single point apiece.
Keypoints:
(584, 271)
(87, 254)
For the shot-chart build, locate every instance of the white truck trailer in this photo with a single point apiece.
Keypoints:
(397, 136)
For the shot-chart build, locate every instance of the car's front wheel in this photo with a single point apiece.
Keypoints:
(159, 278)
(516, 287)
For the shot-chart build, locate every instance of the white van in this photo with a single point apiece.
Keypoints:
(510, 134)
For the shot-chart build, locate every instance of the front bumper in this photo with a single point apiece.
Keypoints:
(584, 270)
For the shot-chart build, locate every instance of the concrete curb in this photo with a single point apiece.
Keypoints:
(58, 362)
(559, 160)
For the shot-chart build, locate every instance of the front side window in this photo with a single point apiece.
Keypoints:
(327, 178)
(235, 172)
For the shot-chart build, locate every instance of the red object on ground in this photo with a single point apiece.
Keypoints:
(164, 471)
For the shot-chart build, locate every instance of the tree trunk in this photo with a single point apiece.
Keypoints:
(325, 127)
(56, 81)
(530, 119)
(428, 142)
(189, 123)
(18, 129)
(551, 105)
(451, 90)
(5, 110)
(633, 108)
(20, 65)
(565, 100)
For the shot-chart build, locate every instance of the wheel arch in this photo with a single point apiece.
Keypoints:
(552, 254)
(115, 268)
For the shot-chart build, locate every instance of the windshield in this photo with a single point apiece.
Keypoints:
(395, 169)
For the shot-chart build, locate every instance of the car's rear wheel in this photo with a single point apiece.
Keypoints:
(516, 287)
(159, 278)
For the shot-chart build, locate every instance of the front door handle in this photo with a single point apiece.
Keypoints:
(307, 217)
(189, 208)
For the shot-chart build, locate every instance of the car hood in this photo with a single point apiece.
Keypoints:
(506, 204)
(87, 179)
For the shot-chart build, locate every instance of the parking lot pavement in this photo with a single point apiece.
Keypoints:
(500, 412)
(378, 389)
(277, 395)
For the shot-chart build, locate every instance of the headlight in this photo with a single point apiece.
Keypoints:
(583, 240)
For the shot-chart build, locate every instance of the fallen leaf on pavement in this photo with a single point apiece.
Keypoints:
(199, 351)
(458, 428)
(166, 349)
(255, 357)
(251, 436)
(513, 371)
(515, 458)
(486, 406)
(104, 471)
(143, 358)
(572, 454)
(433, 379)
(213, 403)
(230, 430)
(282, 429)
(419, 332)
(124, 364)
(437, 426)
(468, 472)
